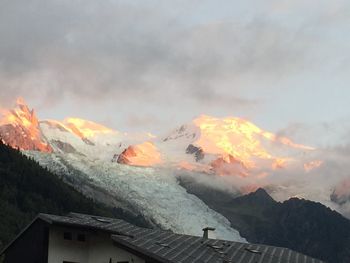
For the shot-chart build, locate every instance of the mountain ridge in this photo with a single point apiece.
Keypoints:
(231, 150)
(304, 226)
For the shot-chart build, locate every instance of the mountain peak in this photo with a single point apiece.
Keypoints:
(261, 194)
(19, 128)
(87, 129)
(259, 197)
(21, 101)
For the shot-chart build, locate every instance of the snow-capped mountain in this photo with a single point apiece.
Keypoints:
(82, 152)
(223, 146)
(19, 127)
(139, 173)
(80, 137)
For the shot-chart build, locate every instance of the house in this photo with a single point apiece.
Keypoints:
(80, 238)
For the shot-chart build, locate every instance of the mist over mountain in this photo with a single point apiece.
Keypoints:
(308, 227)
(229, 150)
(207, 165)
(180, 115)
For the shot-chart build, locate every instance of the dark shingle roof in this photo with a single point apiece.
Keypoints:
(92, 222)
(165, 246)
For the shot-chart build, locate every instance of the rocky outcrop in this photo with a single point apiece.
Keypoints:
(341, 193)
(20, 128)
(196, 151)
(63, 146)
(123, 158)
(229, 165)
(19, 137)
(145, 154)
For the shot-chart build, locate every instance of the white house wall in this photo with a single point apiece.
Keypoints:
(98, 248)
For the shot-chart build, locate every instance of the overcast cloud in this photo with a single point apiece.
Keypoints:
(150, 65)
(141, 64)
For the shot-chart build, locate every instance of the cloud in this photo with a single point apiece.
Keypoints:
(115, 49)
(328, 182)
(293, 181)
(143, 56)
(158, 62)
(324, 135)
(142, 121)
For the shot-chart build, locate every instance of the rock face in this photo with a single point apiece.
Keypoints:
(186, 132)
(341, 193)
(228, 165)
(123, 158)
(145, 154)
(20, 128)
(196, 151)
(64, 147)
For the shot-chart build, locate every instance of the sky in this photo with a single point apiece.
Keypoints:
(152, 65)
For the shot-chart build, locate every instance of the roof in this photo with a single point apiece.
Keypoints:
(111, 225)
(172, 247)
(167, 247)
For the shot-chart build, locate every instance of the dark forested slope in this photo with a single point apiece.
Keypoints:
(27, 189)
(305, 226)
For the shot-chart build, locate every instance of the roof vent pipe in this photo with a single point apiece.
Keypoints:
(206, 232)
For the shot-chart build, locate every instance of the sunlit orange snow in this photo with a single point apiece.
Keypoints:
(85, 128)
(25, 132)
(145, 154)
(230, 146)
(241, 139)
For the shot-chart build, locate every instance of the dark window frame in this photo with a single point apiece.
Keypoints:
(81, 237)
(68, 236)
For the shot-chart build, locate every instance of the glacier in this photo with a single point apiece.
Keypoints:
(153, 192)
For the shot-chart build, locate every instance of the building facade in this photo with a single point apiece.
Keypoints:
(79, 238)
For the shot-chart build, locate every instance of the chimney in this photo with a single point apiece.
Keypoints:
(206, 232)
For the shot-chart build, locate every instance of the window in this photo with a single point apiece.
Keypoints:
(67, 235)
(81, 237)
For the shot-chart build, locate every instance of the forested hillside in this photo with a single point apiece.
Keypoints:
(304, 226)
(27, 189)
